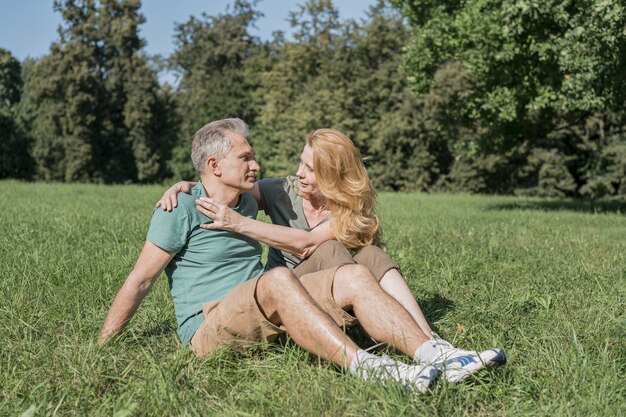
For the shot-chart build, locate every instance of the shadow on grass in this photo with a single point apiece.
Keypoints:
(159, 330)
(583, 206)
(435, 308)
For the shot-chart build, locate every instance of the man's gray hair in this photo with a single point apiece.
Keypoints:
(212, 139)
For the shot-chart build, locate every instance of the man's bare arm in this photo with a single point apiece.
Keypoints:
(148, 267)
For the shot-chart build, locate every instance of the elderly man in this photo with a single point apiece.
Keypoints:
(222, 296)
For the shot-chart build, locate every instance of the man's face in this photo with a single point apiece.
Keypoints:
(238, 168)
(308, 182)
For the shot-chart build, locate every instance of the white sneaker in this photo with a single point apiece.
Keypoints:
(441, 342)
(411, 376)
(457, 364)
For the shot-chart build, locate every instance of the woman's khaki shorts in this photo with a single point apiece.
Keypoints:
(332, 253)
(237, 318)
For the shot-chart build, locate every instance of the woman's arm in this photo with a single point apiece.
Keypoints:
(296, 241)
(169, 199)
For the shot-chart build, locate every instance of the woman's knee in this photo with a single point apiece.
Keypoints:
(376, 260)
(370, 252)
(327, 255)
(333, 249)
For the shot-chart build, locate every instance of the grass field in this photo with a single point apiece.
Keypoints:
(543, 279)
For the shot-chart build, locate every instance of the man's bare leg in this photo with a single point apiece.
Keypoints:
(380, 315)
(284, 300)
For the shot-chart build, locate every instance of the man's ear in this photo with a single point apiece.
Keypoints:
(213, 165)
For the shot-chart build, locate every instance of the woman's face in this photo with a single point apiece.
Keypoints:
(308, 182)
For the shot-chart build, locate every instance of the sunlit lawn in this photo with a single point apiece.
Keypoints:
(543, 279)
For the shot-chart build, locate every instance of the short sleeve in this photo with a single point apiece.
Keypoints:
(270, 190)
(169, 230)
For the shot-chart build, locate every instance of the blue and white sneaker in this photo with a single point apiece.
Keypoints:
(457, 364)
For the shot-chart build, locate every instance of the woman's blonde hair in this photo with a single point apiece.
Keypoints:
(343, 182)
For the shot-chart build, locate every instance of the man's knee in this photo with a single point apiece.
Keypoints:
(274, 282)
(351, 284)
(272, 290)
(354, 275)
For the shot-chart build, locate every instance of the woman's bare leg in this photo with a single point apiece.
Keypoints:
(394, 284)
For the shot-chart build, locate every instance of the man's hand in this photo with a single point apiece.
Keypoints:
(169, 200)
(149, 266)
(223, 217)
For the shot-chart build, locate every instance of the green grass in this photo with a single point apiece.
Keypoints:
(543, 279)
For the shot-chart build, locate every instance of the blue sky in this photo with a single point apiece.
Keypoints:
(27, 27)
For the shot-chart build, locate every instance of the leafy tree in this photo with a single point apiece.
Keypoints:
(92, 103)
(536, 71)
(601, 165)
(10, 79)
(389, 123)
(216, 59)
(534, 65)
(301, 92)
(69, 118)
(347, 75)
(15, 161)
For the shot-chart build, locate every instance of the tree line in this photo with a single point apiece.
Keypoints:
(484, 96)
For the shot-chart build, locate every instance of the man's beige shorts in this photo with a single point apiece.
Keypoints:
(237, 318)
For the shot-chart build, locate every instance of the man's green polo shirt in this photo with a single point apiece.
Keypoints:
(208, 263)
